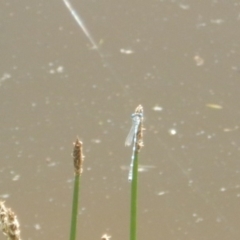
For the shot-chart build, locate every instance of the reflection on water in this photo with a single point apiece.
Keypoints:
(141, 168)
(180, 60)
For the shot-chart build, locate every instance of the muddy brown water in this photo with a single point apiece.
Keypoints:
(179, 59)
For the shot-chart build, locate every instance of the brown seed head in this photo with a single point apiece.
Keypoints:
(78, 157)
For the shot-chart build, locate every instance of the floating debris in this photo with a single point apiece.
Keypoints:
(37, 226)
(96, 140)
(231, 129)
(16, 178)
(4, 77)
(105, 237)
(198, 60)
(60, 69)
(223, 189)
(172, 131)
(162, 193)
(184, 6)
(5, 196)
(217, 21)
(157, 108)
(214, 106)
(126, 51)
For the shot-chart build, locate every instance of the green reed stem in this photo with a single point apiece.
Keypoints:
(134, 191)
(73, 232)
(78, 162)
(138, 141)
